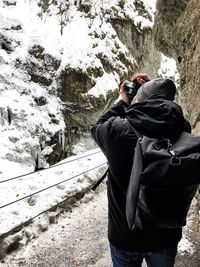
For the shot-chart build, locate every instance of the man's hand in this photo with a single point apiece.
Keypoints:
(124, 94)
(140, 78)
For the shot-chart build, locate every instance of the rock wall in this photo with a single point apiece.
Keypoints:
(82, 108)
(177, 35)
(73, 84)
(68, 75)
(140, 44)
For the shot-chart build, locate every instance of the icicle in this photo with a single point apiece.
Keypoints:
(9, 115)
(61, 139)
(36, 153)
(5, 116)
(39, 165)
(1, 117)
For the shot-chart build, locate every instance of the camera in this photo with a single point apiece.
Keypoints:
(131, 88)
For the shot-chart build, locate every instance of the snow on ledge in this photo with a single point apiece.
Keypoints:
(104, 84)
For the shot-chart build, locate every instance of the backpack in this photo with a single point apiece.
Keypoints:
(164, 179)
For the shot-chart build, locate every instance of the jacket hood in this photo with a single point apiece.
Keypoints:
(157, 117)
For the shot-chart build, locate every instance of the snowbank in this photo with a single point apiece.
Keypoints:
(33, 194)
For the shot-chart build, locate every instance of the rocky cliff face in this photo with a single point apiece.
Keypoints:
(177, 35)
(67, 59)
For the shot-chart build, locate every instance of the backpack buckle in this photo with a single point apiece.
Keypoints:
(175, 160)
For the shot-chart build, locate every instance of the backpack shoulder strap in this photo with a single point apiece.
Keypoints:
(134, 185)
(136, 131)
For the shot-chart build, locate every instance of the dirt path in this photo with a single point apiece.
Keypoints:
(189, 251)
(79, 238)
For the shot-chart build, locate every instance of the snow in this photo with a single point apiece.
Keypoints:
(150, 5)
(13, 215)
(22, 140)
(110, 81)
(75, 47)
(185, 247)
(140, 21)
(168, 69)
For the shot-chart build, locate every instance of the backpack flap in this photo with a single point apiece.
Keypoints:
(171, 164)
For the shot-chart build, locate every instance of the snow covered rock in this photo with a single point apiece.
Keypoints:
(61, 67)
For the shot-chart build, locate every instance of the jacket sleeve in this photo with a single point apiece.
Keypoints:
(102, 129)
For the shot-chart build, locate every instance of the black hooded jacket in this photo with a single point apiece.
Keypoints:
(114, 134)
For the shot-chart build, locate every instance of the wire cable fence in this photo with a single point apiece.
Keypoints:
(45, 169)
(46, 188)
(32, 218)
(91, 187)
(19, 226)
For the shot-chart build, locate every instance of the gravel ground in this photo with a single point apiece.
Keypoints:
(190, 256)
(79, 238)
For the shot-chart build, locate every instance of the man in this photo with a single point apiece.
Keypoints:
(152, 112)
